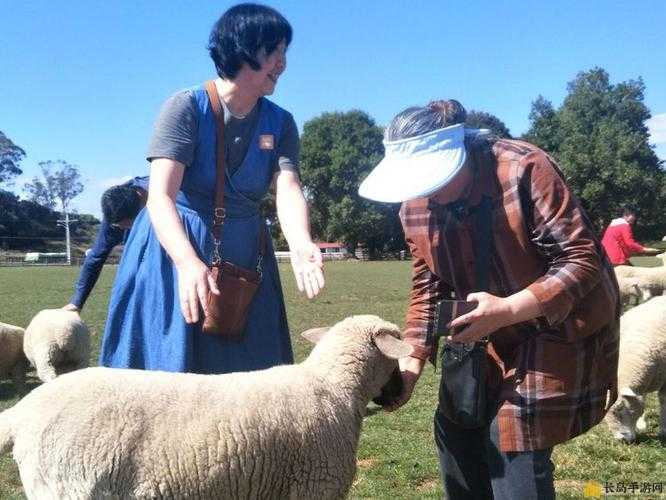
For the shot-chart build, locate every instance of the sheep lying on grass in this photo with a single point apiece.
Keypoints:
(285, 432)
(13, 362)
(56, 342)
(642, 368)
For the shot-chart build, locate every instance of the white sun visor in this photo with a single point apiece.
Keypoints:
(417, 166)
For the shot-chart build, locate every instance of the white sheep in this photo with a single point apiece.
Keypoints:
(652, 280)
(285, 432)
(630, 291)
(642, 368)
(57, 342)
(13, 362)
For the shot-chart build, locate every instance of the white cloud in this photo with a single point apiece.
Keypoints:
(657, 127)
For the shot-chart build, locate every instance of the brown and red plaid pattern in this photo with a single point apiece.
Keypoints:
(555, 376)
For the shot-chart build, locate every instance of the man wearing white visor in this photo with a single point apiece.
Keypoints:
(492, 221)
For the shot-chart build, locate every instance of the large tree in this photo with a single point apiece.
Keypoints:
(599, 138)
(338, 150)
(59, 185)
(10, 158)
(481, 119)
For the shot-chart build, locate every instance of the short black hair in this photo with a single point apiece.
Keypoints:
(241, 32)
(120, 203)
(628, 210)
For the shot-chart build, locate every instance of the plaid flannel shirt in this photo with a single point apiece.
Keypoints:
(554, 377)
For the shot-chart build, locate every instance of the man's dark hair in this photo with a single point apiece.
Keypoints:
(120, 203)
(628, 210)
(241, 32)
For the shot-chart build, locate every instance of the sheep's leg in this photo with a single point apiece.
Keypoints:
(662, 411)
(640, 296)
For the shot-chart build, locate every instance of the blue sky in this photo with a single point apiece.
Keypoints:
(83, 80)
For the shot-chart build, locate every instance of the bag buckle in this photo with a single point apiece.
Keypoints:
(219, 214)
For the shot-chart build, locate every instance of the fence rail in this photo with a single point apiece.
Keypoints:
(18, 261)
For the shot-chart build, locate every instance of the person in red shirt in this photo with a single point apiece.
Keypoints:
(618, 239)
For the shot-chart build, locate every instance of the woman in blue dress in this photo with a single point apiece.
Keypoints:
(155, 309)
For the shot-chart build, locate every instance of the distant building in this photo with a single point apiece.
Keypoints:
(333, 251)
(329, 251)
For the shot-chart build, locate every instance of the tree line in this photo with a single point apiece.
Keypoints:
(597, 135)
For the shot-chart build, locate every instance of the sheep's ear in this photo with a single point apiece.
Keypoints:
(314, 335)
(390, 346)
(629, 394)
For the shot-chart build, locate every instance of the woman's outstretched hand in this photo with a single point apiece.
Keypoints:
(308, 268)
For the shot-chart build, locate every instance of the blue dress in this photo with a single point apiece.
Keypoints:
(145, 328)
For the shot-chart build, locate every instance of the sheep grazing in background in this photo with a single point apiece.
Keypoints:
(651, 280)
(13, 362)
(285, 432)
(56, 342)
(642, 368)
(630, 291)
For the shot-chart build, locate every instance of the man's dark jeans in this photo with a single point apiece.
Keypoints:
(472, 467)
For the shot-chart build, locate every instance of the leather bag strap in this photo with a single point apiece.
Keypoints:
(219, 213)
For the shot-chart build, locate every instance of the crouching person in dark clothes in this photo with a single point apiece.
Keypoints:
(549, 307)
(120, 206)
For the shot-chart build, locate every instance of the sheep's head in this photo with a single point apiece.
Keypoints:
(624, 414)
(375, 341)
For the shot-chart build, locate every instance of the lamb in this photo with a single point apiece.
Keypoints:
(652, 280)
(13, 362)
(284, 432)
(56, 342)
(642, 368)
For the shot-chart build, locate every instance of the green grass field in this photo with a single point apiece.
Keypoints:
(397, 456)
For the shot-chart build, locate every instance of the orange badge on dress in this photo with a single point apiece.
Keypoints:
(266, 141)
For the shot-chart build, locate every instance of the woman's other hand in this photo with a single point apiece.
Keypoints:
(195, 280)
(292, 211)
(308, 268)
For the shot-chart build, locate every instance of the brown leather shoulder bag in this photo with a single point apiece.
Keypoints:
(227, 312)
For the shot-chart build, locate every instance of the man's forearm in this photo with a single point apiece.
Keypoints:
(88, 277)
